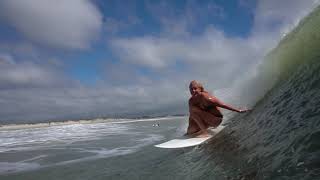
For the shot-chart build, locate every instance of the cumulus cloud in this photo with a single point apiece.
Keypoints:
(68, 24)
(273, 15)
(210, 47)
(23, 75)
(31, 92)
(176, 20)
(213, 57)
(271, 20)
(39, 104)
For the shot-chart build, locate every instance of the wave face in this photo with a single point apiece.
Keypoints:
(279, 139)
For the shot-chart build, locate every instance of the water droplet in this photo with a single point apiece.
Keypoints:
(300, 164)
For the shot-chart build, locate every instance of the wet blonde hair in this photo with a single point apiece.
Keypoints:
(195, 83)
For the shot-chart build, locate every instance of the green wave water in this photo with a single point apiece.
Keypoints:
(297, 48)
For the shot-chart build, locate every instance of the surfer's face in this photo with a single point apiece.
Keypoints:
(194, 90)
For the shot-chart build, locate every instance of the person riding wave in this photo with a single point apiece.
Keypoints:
(204, 110)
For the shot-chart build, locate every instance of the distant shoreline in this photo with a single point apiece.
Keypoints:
(82, 121)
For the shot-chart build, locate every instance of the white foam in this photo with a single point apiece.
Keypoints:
(32, 138)
(8, 167)
(62, 137)
(100, 153)
(149, 140)
(34, 158)
(72, 122)
(39, 137)
(105, 153)
(145, 120)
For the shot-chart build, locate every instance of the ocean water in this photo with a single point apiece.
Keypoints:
(107, 150)
(279, 139)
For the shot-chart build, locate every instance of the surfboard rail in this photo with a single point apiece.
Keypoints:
(189, 142)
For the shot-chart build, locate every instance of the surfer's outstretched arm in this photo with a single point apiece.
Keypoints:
(222, 105)
(214, 101)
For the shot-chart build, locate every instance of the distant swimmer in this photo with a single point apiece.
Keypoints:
(156, 125)
(204, 111)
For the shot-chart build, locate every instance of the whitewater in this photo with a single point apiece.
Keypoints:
(279, 139)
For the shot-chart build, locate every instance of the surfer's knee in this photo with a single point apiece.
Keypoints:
(216, 122)
(191, 132)
(219, 121)
(193, 129)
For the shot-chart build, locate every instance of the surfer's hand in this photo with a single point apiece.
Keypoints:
(244, 110)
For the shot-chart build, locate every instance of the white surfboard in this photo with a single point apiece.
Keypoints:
(188, 142)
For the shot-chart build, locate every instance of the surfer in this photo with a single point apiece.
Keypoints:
(156, 125)
(204, 110)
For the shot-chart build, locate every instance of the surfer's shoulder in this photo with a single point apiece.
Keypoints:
(208, 96)
(204, 94)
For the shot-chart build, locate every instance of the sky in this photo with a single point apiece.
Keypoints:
(81, 59)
